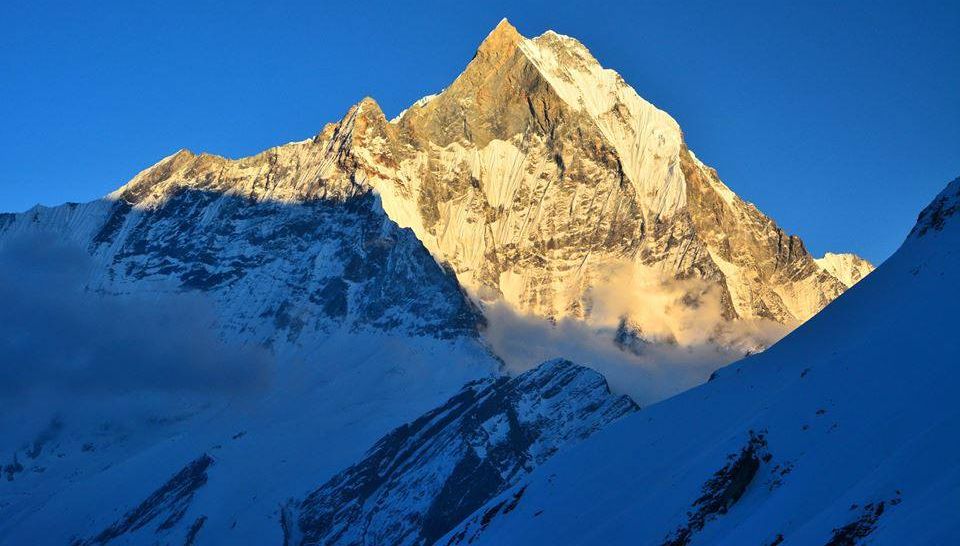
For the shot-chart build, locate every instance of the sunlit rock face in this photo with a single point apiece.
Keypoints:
(537, 176)
(848, 268)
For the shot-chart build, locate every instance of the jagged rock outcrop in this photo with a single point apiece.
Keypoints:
(537, 176)
(940, 212)
(163, 509)
(422, 479)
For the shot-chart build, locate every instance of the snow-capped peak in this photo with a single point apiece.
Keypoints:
(847, 268)
(647, 139)
(539, 176)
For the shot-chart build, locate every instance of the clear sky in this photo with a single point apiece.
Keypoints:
(839, 119)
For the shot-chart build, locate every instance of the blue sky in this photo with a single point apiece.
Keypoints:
(841, 120)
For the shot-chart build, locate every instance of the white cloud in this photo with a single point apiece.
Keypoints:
(685, 336)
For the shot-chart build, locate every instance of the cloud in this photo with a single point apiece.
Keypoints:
(59, 339)
(673, 334)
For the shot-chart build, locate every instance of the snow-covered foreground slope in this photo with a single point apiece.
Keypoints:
(423, 478)
(97, 464)
(847, 429)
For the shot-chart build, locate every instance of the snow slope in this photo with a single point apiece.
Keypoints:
(315, 419)
(423, 478)
(364, 331)
(844, 432)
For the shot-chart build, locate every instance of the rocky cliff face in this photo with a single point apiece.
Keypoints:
(538, 177)
(423, 478)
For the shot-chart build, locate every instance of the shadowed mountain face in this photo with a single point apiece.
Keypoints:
(284, 274)
(168, 504)
(338, 324)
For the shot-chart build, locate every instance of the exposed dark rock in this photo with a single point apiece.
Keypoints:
(936, 214)
(422, 479)
(194, 530)
(47, 435)
(854, 532)
(169, 502)
(110, 228)
(13, 468)
(723, 490)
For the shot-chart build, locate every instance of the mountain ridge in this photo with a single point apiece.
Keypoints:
(537, 176)
(366, 261)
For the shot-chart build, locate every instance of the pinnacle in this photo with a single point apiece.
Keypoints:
(505, 28)
(369, 107)
(503, 38)
(369, 102)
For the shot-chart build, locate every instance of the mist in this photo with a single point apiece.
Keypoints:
(59, 337)
(68, 353)
(676, 334)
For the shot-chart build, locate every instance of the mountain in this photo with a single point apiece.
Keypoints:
(423, 478)
(847, 268)
(351, 277)
(362, 329)
(327, 264)
(845, 432)
(539, 178)
(546, 174)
